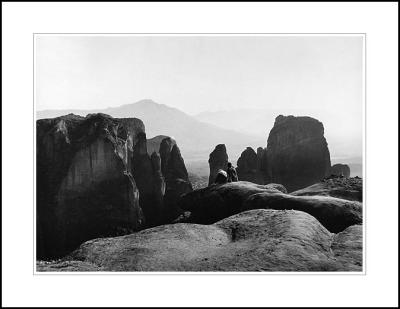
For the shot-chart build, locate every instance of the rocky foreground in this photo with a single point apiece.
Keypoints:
(255, 240)
(255, 228)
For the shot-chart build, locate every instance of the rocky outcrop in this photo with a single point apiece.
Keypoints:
(340, 170)
(344, 188)
(255, 240)
(297, 153)
(333, 213)
(142, 171)
(176, 178)
(85, 187)
(218, 160)
(159, 187)
(95, 178)
(216, 202)
(154, 143)
(250, 166)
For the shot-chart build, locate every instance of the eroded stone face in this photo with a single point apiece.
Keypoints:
(208, 205)
(340, 170)
(218, 160)
(250, 166)
(297, 153)
(95, 178)
(85, 187)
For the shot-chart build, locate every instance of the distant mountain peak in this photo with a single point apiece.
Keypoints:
(146, 101)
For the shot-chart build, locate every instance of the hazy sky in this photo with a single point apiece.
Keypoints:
(320, 76)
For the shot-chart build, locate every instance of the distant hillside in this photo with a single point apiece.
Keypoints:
(196, 139)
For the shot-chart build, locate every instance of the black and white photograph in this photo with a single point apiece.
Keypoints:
(238, 153)
(199, 154)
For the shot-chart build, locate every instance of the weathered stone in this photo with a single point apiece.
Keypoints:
(216, 202)
(255, 240)
(344, 188)
(218, 160)
(250, 164)
(142, 171)
(177, 182)
(85, 187)
(297, 153)
(159, 187)
(340, 170)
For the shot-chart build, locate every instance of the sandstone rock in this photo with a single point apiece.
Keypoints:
(333, 213)
(247, 165)
(297, 153)
(165, 152)
(262, 160)
(142, 171)
(159, 188)
(344, 188)
(218, 160)
(250, 166)
(216, 202)
(256, 240)
(176, 178)
(340, 170)
(85, 187)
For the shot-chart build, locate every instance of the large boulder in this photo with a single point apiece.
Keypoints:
(297, 153)
(85, 187)
(218, 160)
(333, 213)
(216, 202)
(344, 188)
(255, 240)
(340, 170)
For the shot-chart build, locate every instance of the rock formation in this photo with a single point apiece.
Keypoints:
(85, 187)
(247, 164)
(216, 202)
(142, 171)
(340, 170)
(255, 240)
(95, 178)
(345, 188)
(297, 153)
(159, 187)
(250, 166)
(176, 178)
(218, 160)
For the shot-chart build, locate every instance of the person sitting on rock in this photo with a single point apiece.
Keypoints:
(231, 171)
(222, 177)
